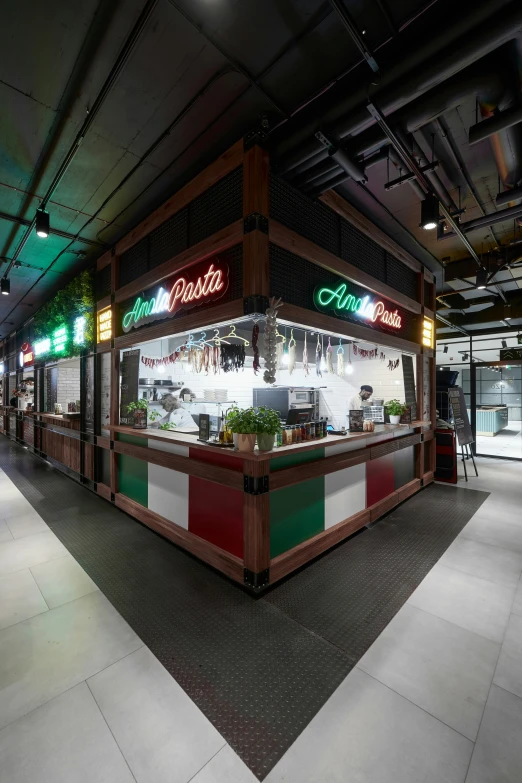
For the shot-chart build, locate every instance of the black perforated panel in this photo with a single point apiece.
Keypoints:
(169, 239)
(218, 207)
(294, 279)
(362, 252)
(134, 262)
(401, 277)
(102, 283)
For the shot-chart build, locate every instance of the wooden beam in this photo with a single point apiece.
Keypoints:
(228, 564)
(409, 489)
(319, 467)
(190, 467)
(383, 506)
(256, 522)
(101, 304)
(256, 181)
(347, 211)
(222, 240)
(168, 328)
(104, 491)
(226, 163)
(313, 319)
(104, 261)
(289, 240)
(115, 273)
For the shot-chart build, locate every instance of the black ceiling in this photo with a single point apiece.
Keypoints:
(201, 73)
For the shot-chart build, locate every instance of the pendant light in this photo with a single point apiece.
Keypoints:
(482, 279)
(430, 212)
(42, 223)
(5, 286)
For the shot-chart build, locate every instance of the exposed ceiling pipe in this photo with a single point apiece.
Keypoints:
(497, 217)
(508, 196)
(355, 35)
(324, 167)
(431, 64)
(56, 232)
(115, 71)
(498, 122)
(338, 180)
(348, 164)
(324, 179)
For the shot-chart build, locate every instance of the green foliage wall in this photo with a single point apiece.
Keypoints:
(76, 299)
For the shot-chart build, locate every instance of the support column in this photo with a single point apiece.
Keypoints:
(256, 524)
(256, 183)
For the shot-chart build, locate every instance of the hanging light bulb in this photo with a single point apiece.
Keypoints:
(160, 368)
(285, 360)
(349, 369)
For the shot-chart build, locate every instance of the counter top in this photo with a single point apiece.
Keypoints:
(330, 440)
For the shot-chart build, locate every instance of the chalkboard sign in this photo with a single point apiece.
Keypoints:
(410, 396)
(460, 415)
(88, 391)
(130, 370)
(51, 397)
(356, 419)
(204, 426)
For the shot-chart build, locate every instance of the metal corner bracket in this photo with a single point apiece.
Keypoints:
(255, 304)
(256, 581)
(255, 222)
(255, 485)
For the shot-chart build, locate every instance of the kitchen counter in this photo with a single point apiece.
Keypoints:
(191, 440)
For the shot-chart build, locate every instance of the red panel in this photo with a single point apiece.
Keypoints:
(216, 512)
(380, 479)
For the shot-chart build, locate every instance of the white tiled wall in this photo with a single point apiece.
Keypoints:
(68, 383)
(334, 397)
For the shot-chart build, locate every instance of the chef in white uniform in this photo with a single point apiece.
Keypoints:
(361, 400)
(175, 412)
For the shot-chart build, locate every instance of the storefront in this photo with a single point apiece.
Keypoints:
(181, 322)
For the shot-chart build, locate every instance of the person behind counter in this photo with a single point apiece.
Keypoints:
(361, 400)
(176, 414)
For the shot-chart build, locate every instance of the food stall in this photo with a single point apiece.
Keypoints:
(187, 306)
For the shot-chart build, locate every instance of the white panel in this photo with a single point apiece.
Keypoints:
(381, 438)
(341, 448)
(345, 494)
(403, 431)
(168, 489)
(173, 448)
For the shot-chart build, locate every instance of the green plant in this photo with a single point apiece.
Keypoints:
(244, 421)
(167, 426)
(394, 408)
(76, 299)
(153, 415)
(268, 421)
(137, 405)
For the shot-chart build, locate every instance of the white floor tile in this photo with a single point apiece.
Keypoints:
(509, 669)
(497, 757)
(438, 666)
(489, 562)
(473, 603)
(29, 551)
(20, 598)
(5, 533)
(11, 506)
(495, 532)
(62, 580)
(26, 525)
(368, 733)
(64, 741)
(157, 726)
(44, 656)
(225, 767)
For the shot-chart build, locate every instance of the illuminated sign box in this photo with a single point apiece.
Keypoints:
(428, 332)
(59, 341)
(200, 284)
(104, 323)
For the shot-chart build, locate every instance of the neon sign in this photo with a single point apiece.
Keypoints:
(26, 355)
(427, 332)
(104, 324)
(79, 327)
(341, 300)
(42, 346)
(198, 285)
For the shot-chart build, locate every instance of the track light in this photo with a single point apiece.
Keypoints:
(5, 286)
(465, 357)
(445, 349)
(507, 312)
(430, 212)
(42, 223)
(504, 344)
(482, 279)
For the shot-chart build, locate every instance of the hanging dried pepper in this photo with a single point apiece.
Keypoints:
(255, 336)
(232, 357)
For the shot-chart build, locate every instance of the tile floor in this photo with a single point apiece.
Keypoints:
(437, 698)
(507, 443)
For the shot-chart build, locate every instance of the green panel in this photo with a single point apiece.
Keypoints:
(133, 474)
(296, 514)
(289, 460)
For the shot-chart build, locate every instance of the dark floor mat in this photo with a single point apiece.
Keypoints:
(258, 669)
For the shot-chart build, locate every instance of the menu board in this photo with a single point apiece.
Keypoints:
(410, 396)
(130, 370)
(51, 387)
(204, 426)
(89, 394)
(356, 419)
(460, 415)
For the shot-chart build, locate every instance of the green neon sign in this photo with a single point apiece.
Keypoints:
(340, 300)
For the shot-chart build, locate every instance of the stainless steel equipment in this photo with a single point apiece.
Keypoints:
(285, 398)
(374, 412)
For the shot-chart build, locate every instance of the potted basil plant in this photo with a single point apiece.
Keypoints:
(139, 409)
(395, 409)
(244, 423)
(269, 424)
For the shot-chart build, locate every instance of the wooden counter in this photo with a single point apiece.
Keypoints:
(258, 516)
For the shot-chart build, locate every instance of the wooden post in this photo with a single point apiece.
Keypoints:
(256, 525)
(114, 413)
(256, 183)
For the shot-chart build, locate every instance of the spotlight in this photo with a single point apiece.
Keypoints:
(42, 223)
(430, 212)
(5, 286)
(507, 312)
(482, 278)
(160, 369)
(445, 349)
(465, 357)
(504, 344)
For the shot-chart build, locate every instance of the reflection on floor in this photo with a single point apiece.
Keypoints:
(437, 697)
(507, 443)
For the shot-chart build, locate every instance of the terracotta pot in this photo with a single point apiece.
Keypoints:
(246, 442)
(395, 419)
(265, 441)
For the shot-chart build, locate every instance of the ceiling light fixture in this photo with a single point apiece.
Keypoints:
(507, 312)
(504, 344)
(445, 349)
(42, 223)
(465, 357)
(5, 286)
(430, 212)
(482, 279)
